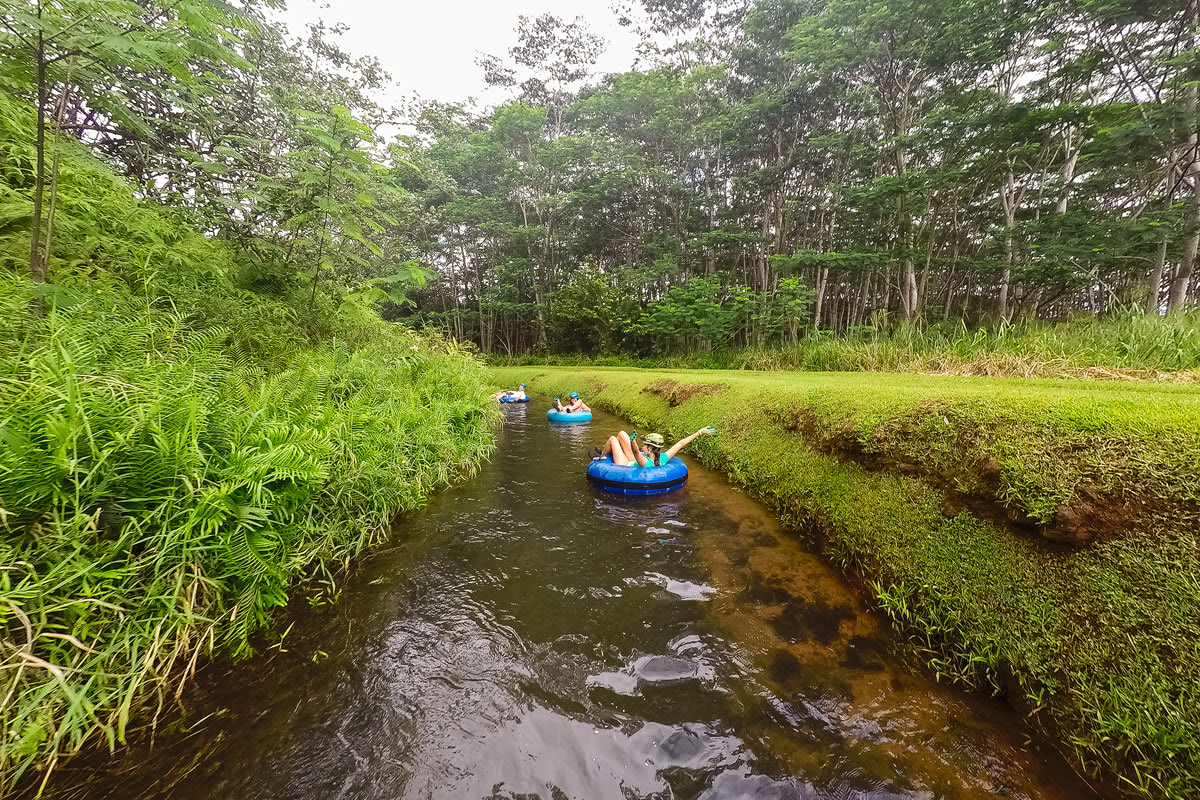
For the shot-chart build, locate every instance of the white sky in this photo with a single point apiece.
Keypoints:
(429, 47)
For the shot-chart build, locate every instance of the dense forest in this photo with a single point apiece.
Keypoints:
(776, 170)
(792, 166)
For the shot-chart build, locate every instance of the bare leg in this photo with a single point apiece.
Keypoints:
(613, 448)
(626, 447)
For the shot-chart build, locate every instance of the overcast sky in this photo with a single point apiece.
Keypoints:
(429, 47)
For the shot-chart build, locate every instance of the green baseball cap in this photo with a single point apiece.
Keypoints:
(654, 439)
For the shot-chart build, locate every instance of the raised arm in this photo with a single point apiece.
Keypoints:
(685, 441)
(636, 448)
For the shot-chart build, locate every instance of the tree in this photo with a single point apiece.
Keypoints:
(549, 63)
(89, 51)
(332, 194)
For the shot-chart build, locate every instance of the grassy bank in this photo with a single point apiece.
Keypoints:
(1128, 345)
(162, 490)
(914, 482)
(179, 453)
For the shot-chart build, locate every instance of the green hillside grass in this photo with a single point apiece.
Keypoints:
(1102, 642)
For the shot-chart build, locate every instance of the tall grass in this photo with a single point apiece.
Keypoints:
(162, 487)
(1120, 345)
(177, 452)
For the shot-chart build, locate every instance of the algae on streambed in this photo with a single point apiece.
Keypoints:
(932, 489)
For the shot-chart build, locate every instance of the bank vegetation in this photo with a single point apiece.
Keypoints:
(197, 424)
(1034, 538)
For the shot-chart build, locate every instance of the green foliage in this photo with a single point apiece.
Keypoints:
(701, 314)
(593, 311)
(1102, 643)
(904, 162)
(104, 237)
(162, 489)
(1129, 345)
(95, 54)
(177, 454)
(333, 194)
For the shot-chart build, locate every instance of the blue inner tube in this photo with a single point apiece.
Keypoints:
(506, 399)
(554, 415)
(606, 475)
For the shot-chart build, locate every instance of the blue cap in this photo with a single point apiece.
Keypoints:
(574, 394)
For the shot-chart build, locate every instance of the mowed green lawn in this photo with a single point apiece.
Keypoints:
(1143, 409)
(1136, 440)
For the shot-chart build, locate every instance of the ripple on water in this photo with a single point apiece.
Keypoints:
(549, 756)
(739, 785)
(638, 510)
(742, 784)
(684, 590)
(687, 643)
(663, 670)
(652, 670)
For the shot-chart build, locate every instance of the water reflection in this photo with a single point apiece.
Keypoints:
(529, 637)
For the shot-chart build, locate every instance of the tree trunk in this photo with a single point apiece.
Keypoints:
(1067, 174)
(1154, 290)
(864, 299)
(1005, 279)
(822, 285)
(37, 265)
(908, 289)
(947, 309)
(59, 113)
(1178, 294)
(908, 275)
(1008, 203)
(923, 289)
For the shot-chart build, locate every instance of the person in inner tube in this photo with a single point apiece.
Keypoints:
(518, 395)
(646, 452)
(574, 404)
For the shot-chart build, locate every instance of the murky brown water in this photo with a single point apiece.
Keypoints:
(530, 637)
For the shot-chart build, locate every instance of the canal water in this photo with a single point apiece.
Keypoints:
(529, 637)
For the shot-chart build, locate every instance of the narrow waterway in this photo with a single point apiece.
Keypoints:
(530, 637)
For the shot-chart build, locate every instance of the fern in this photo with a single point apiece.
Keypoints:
(180, 479)
(175, 452)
